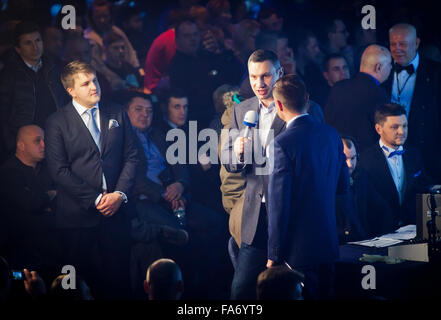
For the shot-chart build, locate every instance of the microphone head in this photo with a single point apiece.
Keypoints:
(251, 118)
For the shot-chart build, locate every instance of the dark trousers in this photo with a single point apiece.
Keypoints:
(100, 255)
(251, 261)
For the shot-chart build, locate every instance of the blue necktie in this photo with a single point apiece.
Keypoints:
(93, 128)
(396, 153)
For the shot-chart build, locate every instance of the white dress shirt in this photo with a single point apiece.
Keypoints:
(403, 96)
(396, 167)
(82, 111)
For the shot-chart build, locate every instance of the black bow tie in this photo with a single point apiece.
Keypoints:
(409, 68)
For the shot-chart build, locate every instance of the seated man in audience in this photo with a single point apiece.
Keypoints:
(396, 172)
(27, 194)
(126, 76)
(163, 190)
(358, 211)
(280, 283)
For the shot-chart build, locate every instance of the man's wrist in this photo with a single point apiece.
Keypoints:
(123, 196)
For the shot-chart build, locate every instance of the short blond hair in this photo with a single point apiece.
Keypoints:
(73, 68)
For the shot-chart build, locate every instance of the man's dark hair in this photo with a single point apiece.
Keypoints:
(264, 55)
(328, 59)
(349, 142)
(111, 37)
(180, 23)
(58, 293)
(98, 3)
(22, 28)
(388, 110)
(171, 93)
(278, 283)
(128, 97)
(291, 91)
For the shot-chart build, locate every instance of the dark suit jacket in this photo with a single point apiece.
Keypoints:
(76, 165)
(425, 114)
(309, 169)
(351, 106)
(359, 210)
(375, 164)
(256, 184)
(172, 173)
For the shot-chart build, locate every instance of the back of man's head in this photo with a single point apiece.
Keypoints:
(376, 61)
(58, 292)
(290, 90)
(164, 280)
(279, 283)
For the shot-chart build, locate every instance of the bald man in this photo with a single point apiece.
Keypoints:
(351, 104)
(416, 85)
(164, 280)
(27, 193)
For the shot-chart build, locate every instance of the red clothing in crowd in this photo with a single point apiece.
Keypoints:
(160, 54)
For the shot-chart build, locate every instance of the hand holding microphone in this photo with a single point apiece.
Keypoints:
(250, 121)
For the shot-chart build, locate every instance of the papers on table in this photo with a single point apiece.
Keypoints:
(404, 233)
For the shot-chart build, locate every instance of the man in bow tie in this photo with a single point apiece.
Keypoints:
(92, 159)
(416, 85)
(397, 173)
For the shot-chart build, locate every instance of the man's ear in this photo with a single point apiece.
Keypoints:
(20, 146)
(281, 72)
(417, 43)
(279, 105)
(325, 75)
(69, 91)
(378, 129)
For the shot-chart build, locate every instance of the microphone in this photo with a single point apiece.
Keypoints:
(250, 121)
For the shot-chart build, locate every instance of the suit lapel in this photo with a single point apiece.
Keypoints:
(421, 82)
(389, 184)
(278, 125)
(104, 126)
(78, 122)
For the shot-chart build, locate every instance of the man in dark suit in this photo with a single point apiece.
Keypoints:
(352, 102)
(264, 70)
(309, 169)
(359, 210)
(416, 85)
(396, 173)
(92, 159)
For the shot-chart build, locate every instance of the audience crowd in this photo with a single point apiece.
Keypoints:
(166, 67)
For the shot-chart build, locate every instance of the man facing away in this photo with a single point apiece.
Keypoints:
(309, 169)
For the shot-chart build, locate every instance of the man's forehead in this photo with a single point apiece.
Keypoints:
(141, 102)
(396, 119)
(256, 68)
(178, 101)
(401, 35)
(82, 76)
(30, 36)
(337, 62)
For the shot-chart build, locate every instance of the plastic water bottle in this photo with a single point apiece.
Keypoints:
(180, 215)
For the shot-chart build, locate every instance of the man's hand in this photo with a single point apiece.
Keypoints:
(109, 204)
(239, 145)
(175, 204)
(33, 284)
(174, 191)
(270, 263)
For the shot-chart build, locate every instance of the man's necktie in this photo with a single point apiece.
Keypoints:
(93, 128)
(396, 153)
(410, 70)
